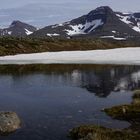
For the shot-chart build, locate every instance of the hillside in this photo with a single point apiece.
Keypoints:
(12, 46)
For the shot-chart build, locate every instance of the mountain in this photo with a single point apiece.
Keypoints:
(102, 22)
(132, 19)
(18, 29)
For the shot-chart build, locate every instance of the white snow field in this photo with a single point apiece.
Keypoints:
(81, 28)
(127, 56)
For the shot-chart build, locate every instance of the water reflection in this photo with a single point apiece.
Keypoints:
(102, 83)
(51, 99)
(100, 80)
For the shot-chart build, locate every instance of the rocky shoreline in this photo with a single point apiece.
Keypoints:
(130, 113)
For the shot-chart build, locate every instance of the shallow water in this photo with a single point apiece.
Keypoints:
(51, 99)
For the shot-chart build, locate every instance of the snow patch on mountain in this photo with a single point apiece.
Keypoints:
(136, 28)
(114, 32)
(4, 32)
(57, 25)
(28, 32)
(76, 29)
(131, 20)
(51, 35)
(113, 37)
(124, 18)
(10, 32)
(84, 28)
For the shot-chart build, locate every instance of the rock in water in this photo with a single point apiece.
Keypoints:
(9, 122)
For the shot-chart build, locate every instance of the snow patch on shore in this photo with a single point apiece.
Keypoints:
(127, 56)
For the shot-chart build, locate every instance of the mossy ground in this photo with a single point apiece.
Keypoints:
(92, 132)
(136, 94)
(12, 46)
(125, 112)
(130, 113)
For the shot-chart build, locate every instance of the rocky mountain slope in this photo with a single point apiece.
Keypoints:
(18, 29)
(102, 22)
(132, 19)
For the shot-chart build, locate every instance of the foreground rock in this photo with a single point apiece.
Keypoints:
(9, 122)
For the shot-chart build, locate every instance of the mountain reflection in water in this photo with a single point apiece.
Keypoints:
(102, 83)
(52, 99)
(98, 79)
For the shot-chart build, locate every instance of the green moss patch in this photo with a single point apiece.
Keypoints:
(125, 112)
(130, 112)
(136, 94)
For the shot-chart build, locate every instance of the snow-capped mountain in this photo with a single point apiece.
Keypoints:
(101, 22)
(18, 29)
(132, 19)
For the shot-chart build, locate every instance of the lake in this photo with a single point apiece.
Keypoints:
(52, 99)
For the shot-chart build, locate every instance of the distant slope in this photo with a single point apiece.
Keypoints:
(18, 29)
(132, 19)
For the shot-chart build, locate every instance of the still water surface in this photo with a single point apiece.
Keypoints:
(51, 99)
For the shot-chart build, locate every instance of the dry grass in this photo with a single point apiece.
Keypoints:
(12, 46)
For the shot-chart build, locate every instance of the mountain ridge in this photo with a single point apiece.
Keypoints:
(102, 22)
(18, 29)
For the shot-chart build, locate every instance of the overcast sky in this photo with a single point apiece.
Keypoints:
(44, 12)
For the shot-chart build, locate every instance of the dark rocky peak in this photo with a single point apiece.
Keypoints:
(100, 13)
(18, 29)
(19, 24)
(104, 10)
(16, 23)
(136, 15)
